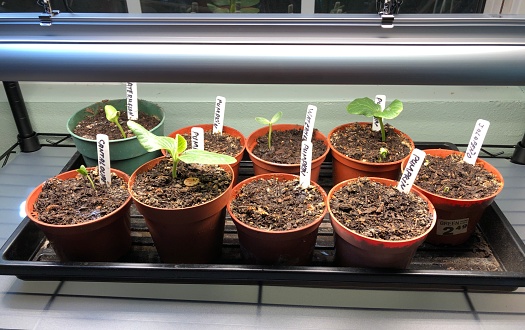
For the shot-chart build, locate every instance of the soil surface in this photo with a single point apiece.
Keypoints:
(74, 201)
(381, 212)
(195, 184)
(277, 205)
(361, 143)
(224, 143)
(96, 123)
(286, 147)
(453, 178)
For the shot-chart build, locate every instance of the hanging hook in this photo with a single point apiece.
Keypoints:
(387, 9)
(45, 17)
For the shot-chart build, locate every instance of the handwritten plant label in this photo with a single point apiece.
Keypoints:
(476, 141)
(416, 159)
(218, 118)
(308, 130)
(306, 164)
(132, 101)
(197, 138)
(104, 164)
(381, 100)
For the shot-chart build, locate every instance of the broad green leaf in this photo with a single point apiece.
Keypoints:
(82, 170)
(363, 106)
(393, 110)
(249, 10)
(276, 117)
(181, 144)
(221, 2)
(112, 114)
(262, 121)
(249, 3)
(205, 157)
(150, 141)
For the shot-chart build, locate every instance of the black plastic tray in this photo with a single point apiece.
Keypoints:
(493, 259)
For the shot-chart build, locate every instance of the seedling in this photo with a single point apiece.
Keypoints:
(367, 107)
(112, 115)
(177, 148)
(383, 152)
(84, 172)
(264, 121)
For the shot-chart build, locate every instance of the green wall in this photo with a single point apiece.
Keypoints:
(432, 113)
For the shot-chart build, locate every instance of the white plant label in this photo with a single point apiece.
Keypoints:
(306, 164)
(476, 141)
(309, 122)
(197, 138)
(218, 118)
(132, 101)
(451, 227)
(104, 164)
(381, 100)
(416, 159)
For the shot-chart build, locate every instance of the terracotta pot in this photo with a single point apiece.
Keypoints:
(344, 168)
(104, 239)
(125, 154)
(292, 247)
(355, 250)
(261, 166)
(185, 235)
(226, 129)
(457, 216)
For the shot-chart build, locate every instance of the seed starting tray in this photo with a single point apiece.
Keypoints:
(493, 259)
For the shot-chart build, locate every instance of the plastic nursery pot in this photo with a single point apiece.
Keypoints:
(125, 154)
(344, 167)
(185, 235)
(227, 130)
(261, 166)
(457, 218)
(355, 250)
(105, 239)
(291, 247)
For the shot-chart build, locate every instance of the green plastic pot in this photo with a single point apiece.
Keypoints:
(125, 154)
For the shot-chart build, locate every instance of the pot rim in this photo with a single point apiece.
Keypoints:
(142, 168)
(431, 210)
(118, 140)
(30, 208)
(263, 130)
(340, 154)
(486, 165)
(285, 177)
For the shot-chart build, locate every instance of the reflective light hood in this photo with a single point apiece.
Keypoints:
(273, 49)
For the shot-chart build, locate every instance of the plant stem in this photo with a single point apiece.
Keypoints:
(174, 169)
(269, 136)
(383, 134)
(91, 181)
(121, 130)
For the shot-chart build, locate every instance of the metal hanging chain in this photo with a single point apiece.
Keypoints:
(388, 7)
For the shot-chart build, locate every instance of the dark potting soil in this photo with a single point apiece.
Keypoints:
(224, 143)
(286, 147)
(453, 178)
(74, 201)
(381, 212)
(96, 123)
(277, 205)
(361, 143)
(195, 184)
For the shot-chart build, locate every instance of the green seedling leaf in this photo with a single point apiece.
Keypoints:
(264, 121)
(367, 107)
(112, 115)
(177, 148)
(84, 172)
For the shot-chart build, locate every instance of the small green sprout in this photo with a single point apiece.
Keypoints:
(367, 107)
(177, 148)
(84, 172)
(446, 189)
(383, 152)
(112, 115)
(264, 121)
